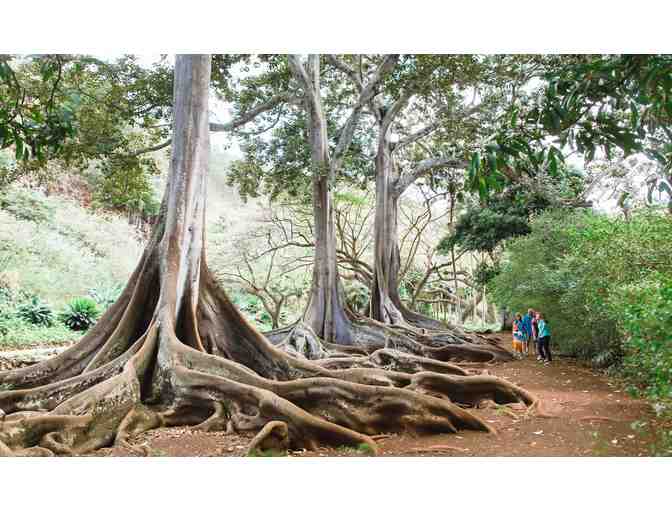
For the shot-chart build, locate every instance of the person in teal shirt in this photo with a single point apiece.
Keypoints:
(544, 339)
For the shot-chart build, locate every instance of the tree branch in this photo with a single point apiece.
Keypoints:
(423, 168)
(394, 110)
(245, 117)
(151, 149)
(367, 93)
(342, 66)
(299, 72)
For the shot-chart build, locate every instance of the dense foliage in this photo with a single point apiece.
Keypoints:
(505, 215)
(66, 113)
(605, 285)
(612, 105)
(35, 127)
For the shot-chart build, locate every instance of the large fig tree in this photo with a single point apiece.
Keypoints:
(174, 350)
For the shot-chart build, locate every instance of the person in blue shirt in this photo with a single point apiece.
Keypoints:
(527, 331)
(517, 332)
(544, 339)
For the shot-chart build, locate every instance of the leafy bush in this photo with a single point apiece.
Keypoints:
(605, 284)
(647, 323)
(357, 297)
(36, 312)
(80, 314)
(126, 184)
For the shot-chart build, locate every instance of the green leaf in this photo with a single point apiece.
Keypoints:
(482, 188)
(553, 89)
(492, 161)
(18, 148)
(514, 117)
(476, 161)
(552, 164)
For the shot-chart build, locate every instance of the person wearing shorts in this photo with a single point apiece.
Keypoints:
(517, 336)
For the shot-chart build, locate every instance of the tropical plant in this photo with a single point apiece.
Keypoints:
(37, 312)
(80, 314)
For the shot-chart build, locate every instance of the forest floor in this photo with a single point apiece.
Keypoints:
(591, 416)
(584, 413)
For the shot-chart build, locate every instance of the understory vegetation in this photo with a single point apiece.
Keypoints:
(605, 284)
(55, 254)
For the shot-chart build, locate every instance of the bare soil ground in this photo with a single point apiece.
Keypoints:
(584, 413)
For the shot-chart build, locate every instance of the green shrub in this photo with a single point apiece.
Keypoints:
(357, 297)
(605, 285)
(80, 314)
(36, 312)
(647, 322)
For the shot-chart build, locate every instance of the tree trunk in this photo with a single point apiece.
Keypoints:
(324, 313)
(385, 302)
(174, 350)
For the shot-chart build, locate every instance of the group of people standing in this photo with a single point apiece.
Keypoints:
(532, 327)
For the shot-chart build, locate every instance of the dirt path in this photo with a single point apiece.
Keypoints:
(589, 415)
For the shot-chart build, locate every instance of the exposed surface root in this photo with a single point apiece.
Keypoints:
(158, 380)
(250, 408)
(216, 372)
(391, 359)
(469, 353)
(472, 390)
(369, 336)
(402, 362)
(274, 436)
(302, 341)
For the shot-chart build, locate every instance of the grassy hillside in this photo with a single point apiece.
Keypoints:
(53, 250)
